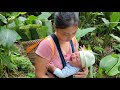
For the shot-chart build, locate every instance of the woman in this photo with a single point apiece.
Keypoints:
(65, 26)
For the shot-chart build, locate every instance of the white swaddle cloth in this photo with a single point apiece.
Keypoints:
(87, 58)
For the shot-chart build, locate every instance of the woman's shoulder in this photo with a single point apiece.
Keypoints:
(46, 41)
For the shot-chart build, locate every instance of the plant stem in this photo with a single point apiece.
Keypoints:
(91, 71)
(0, 68)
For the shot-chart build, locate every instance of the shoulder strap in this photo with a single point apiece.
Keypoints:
(72, 46)
(52, 46)
(59, 49)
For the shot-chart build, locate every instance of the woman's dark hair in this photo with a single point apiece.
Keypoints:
(66, 19)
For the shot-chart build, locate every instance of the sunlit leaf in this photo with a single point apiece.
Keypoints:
(115, 37)
(114, 19)
(110, 64)
(48, 23)
(83, 32)
(3, 19)
(44, 15)
(8, 37)
(106, 22)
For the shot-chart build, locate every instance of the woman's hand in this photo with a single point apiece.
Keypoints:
(82, 74)
(51, 67)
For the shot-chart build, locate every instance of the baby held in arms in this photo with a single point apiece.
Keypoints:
(87, 59)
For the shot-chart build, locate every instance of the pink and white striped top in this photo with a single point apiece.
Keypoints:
(44, 50)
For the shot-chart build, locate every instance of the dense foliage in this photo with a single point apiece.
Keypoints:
(99, 31)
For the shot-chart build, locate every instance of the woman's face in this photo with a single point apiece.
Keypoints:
(66, 34)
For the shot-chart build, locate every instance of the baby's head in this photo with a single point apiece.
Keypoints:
(87, 58)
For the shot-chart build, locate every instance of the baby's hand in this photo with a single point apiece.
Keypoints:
(83, 48)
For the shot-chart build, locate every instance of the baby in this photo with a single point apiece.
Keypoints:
(87, 59)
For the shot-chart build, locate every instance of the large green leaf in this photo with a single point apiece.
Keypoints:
(3, 19)
(11, 25)
(83, 32)
(107, 62)
(22, 35)
(34, 34)
(26, 29)
(14, 15)
(8, 37)
(115, 37)
(42, 32)
(44, 15)
(114, 19)
(115, 69)
(30, 19)
(21, 19)
(110, 65)
(48, 23)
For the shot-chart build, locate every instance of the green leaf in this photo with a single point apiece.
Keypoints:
(34, 34)
(21, 19)
(117, 47)
(118, 27)
(100, 73)
(8, 37)
(48, 23)
(6, 60)
(115, 55)
(114, 19)
(106, 22)
(3, 19)
(83, 32)
(14, 49)
(11, 25)
(110, 65)
(22, 13)
(114, 70)
(22, 34)
(44, 15)
(115, 37)
(38, 22)
(97, 48)
(14, 15)
(42, 32)
(30, 19)
(18, 37)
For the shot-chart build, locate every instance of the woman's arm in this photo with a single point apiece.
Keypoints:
(67, 71)
(41, 67)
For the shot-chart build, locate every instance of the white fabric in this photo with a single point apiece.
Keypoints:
(87, 58)
(67, 71)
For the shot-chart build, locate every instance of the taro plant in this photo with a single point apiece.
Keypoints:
(7, 40)
(110, 64)
(32, 27)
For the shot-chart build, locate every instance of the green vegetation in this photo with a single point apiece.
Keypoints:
(99, 31)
